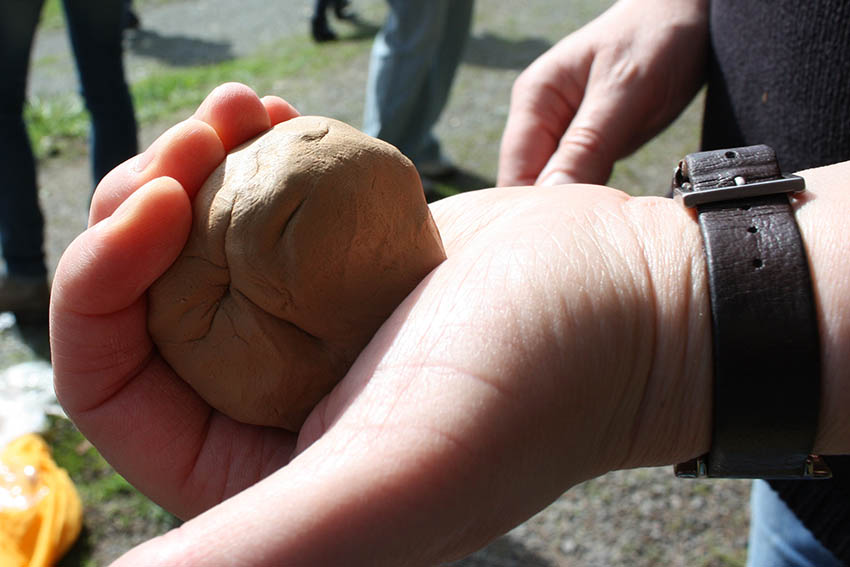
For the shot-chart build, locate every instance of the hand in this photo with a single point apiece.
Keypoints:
(565, 336)
(154, 428)
(491, 389)
(603, 91)
(495, 377)
(488, 380)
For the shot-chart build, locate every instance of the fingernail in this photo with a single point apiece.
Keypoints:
(555, 178)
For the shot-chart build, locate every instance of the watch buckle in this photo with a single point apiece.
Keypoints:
(684, 193)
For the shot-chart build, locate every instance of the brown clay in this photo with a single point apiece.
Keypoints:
(303, 242)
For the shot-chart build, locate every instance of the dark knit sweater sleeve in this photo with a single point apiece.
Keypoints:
(779, 74)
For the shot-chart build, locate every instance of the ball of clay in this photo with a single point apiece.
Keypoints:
(303, 242)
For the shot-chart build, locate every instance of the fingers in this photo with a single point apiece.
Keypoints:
(112, 264)
(235, 113)
(599, 133)
(152, 427)
(191, 150)
(570, 117)
(279, 110)
(544, 101)
(98, 320)
(142, 417)
(187, 152)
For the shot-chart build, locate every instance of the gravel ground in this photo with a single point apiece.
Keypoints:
(638, 517)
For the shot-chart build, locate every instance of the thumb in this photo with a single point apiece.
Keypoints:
(597, 137)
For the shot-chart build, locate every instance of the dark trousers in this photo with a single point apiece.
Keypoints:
(95, 31)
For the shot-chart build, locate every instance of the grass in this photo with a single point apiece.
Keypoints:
(60, 124)
(52, 16)
(112, 507)
(168, 92)
(56, 124)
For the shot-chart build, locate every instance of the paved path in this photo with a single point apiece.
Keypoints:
(181, 33)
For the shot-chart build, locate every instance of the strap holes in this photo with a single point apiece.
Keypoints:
(757, 263)
(730, 155)
(752, 230)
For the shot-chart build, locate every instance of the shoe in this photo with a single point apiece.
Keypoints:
(437, 169)
(342, 12)
(131, 20)
(321, 30)
(28, 297)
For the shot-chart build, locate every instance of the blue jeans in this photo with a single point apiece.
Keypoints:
(778, 538)
(95, 31)
(413, 63)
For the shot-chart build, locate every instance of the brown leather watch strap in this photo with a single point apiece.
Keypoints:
(764, 326)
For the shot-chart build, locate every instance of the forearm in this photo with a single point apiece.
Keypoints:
(567, 334)
(825, 228)
(573, 326)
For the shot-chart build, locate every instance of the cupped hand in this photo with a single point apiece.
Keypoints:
(545, 350)
(108, 375)
(603, 91)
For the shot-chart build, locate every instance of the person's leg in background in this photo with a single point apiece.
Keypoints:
(319, 25)
(95, 29)
(778, 538)
(456, 27)
(130, 20)
(398, 70)
(23, 287)
(343, 11)
(412, 66)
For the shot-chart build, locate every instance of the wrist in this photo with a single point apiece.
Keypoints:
(674, 423)
(821, 216)
(680, 381)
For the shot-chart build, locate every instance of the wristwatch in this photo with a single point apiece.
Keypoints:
(764, 326)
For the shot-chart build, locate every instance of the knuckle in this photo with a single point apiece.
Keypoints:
(525, 86)
(585, 141)
(583, 155)
(625, 71)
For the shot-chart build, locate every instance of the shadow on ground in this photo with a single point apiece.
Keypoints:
(504, 552)
(358, 29)
(178, 50)
(460, 182)
(490, 50)
(79, 552)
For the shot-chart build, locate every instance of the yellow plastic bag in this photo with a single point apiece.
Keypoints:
(40, 510)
